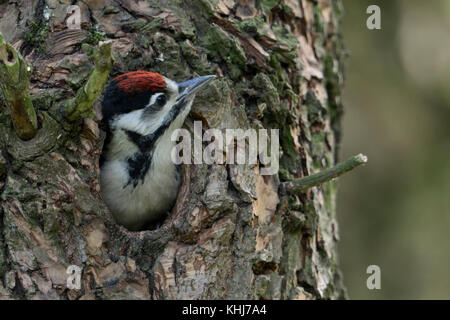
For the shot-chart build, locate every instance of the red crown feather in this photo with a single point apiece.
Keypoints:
(140, 81)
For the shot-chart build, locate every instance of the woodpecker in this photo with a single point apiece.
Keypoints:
(138, 179)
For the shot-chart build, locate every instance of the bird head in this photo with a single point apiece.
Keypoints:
(145, 102)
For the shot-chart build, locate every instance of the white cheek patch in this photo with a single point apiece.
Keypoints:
(136, 122)
(129, 121)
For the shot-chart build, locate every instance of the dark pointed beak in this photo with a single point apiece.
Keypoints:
(190, 87)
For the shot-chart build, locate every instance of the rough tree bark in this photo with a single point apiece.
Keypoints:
(231, 234)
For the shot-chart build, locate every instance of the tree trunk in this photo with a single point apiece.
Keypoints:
(231, 233)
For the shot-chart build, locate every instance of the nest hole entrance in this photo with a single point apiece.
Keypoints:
(10, 56)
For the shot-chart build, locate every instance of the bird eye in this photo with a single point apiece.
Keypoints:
(161, 100)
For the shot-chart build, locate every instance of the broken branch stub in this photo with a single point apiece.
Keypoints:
(82, 105)
(14, 84)
(302, 184)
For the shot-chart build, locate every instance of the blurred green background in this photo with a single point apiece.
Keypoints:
(395, 212)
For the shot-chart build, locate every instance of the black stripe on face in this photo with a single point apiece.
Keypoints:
(139, 163)
(146, 143)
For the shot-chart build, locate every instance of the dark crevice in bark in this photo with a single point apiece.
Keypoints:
(263, 267)
(91, 15)
(3, 251)
(19, 291)
(151, 284)
(309, 288)
(119, 3)
(38, 18)
(40, 9)
(4, 266)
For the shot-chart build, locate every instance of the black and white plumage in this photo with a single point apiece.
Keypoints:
(138, 180)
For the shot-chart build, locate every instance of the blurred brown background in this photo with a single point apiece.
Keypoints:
(395, 212)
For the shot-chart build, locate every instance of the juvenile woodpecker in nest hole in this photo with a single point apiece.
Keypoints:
(138, 179)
